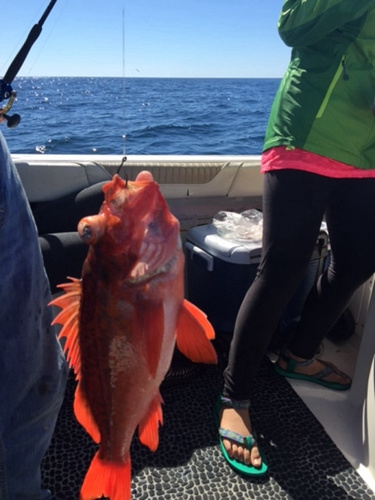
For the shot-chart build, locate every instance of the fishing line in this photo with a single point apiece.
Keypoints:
(21, 40)
(47, 37)
(123, 85)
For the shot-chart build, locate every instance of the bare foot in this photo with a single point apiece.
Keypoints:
(315, 367)
(238, 420)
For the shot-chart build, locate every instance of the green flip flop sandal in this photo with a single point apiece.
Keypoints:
(247, 441)
(316, 378)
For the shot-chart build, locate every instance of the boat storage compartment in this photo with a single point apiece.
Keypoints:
(220, 271)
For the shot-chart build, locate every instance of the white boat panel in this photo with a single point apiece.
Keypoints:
(195, 187)
(49, 180)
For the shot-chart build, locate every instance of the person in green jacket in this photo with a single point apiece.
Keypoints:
(319, 162)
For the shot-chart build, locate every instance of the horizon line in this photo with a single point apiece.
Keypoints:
(159, 77)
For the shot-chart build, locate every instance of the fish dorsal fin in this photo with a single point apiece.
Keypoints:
(194, 333)
(68, 317)
(148, 430)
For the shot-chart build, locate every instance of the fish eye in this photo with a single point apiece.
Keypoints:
(86, 233)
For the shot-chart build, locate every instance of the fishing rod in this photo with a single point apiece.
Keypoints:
(6, 90)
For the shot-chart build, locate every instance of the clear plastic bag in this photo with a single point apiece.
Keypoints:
(244, 226)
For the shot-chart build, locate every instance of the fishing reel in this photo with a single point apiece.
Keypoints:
(7, 92)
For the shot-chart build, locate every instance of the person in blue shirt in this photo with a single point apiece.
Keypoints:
(32, 366)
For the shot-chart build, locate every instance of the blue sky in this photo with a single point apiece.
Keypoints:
(148, 38)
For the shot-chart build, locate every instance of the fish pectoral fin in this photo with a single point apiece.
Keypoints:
(107, 479)
(194, 333)
(148, 429)
(84, 416)
(69, 303)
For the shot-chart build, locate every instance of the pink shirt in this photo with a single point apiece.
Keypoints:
(282, 157)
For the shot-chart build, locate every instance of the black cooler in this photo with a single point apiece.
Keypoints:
(220, 271)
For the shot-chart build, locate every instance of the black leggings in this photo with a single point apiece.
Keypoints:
(294, 203)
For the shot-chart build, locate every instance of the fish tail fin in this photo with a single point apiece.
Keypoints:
(107, 479)
(194, 333)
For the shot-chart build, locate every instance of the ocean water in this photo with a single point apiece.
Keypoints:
(150, 116)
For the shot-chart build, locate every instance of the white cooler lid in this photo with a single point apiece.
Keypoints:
(207, 238)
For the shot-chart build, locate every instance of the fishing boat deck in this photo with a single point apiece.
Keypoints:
(319, 443)
(303, 461)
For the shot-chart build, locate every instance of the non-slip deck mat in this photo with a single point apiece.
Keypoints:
(303, 462)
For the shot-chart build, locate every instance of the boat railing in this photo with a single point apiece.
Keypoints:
(192, 185)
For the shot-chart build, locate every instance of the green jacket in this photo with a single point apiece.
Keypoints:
(325, 100)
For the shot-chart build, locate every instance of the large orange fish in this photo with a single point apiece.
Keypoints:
(121, 321)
